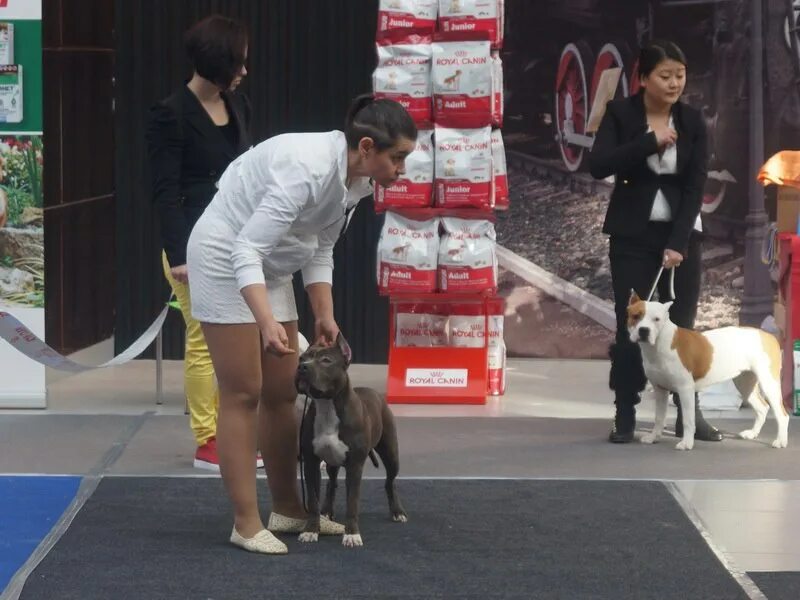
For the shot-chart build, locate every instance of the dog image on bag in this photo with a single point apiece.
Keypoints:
(451, 83)
(684, 362)
(343, 426)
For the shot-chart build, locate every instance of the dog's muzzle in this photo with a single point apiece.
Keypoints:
(644, 334)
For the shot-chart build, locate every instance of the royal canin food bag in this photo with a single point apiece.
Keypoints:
(404, 73)
(468, 16)
(463, 167)
(410, 16)
(462, 74)
(467, 326)
(500, 170)
(414, 189)
(496, 354)
(497, 90)
(407, 252)
(421, 325)
(467, 256)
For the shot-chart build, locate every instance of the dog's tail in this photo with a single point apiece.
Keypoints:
(374, 458)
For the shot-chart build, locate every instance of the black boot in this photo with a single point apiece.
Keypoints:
(624, 423)
(703, 431)
(627, 379)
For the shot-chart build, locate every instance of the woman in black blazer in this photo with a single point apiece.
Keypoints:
(192, 136)
(655, 147)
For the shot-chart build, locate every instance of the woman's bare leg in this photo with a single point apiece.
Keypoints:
(278, 427)
(236, 354)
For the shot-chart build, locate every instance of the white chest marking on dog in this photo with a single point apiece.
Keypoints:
(327, 444)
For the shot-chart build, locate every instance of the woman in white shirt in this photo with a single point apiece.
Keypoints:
(280, 208)
(655, 147)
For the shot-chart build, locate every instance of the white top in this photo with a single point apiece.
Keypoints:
(666, 163)
(287, 198)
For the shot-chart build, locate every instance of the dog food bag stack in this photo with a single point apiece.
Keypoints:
(437, 254)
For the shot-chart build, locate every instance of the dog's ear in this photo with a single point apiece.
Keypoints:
(634, 298)
(345, 348)
(667, 306)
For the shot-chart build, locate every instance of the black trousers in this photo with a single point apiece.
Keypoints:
(634, 266)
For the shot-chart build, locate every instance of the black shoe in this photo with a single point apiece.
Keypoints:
(620, 437)
(703, 430)
(624, 425)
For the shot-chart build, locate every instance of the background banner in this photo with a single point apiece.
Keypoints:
(22, 381)
(557, 278)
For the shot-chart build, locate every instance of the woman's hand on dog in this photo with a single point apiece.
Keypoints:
(325, 331)
(275, 340)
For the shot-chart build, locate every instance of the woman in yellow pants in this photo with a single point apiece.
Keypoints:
(193, 135)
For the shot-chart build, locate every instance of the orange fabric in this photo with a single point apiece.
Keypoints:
(782, 169)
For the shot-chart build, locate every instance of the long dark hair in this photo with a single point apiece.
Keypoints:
(655, 52)
(384, 120)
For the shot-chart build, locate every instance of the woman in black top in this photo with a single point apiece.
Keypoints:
(192, 136)
(655, 147)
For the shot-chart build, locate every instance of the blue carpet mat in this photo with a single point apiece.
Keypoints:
(29, 507)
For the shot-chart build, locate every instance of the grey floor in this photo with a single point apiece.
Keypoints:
(551, 424)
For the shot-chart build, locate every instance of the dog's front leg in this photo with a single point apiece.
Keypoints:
(311, 472)
(352, 534)
(330, 491)
(686, 394)
(661, 397)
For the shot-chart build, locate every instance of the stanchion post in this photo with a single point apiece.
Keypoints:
(160, 367)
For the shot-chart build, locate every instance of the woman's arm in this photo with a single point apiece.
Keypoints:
(694, 181)
(164, 148)
(610, 156)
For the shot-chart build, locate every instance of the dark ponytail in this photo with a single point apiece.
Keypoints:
(384, 120)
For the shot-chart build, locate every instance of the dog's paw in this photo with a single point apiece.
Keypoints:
(649, 438)
(779, 443)
(400, 518)
(308, 537)
(748, 434)
(352, 540)
(684, 445)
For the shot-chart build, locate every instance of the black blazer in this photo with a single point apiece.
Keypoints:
(188, 154)
(621, 148)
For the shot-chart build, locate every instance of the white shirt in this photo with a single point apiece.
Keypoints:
(287, 198)
(665, 163)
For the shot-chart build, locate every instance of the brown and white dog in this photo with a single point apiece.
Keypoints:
(684, 362)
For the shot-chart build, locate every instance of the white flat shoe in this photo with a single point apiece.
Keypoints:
(263, 542)
(281, 524)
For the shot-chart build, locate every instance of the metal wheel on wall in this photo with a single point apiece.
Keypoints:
(572, 103)
(635, 84)
(612, 55)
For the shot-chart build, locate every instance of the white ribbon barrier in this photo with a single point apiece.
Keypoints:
(21, 338)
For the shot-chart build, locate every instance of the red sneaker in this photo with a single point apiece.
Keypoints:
(206, 456)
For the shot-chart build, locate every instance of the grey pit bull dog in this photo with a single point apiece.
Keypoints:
(343, 426)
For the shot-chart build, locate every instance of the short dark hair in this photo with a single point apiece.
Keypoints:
(656, 51)
(217, 48)
(383, 120)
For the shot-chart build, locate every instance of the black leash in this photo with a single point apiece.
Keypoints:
(300, 456)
